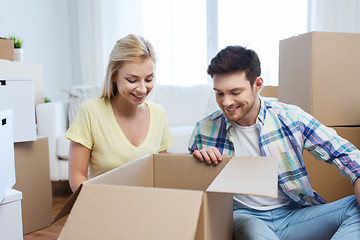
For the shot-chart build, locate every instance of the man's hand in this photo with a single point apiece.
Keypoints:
(209, 155)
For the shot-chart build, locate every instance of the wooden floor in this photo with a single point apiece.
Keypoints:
(61, 192)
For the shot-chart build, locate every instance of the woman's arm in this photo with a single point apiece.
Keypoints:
(79, 157)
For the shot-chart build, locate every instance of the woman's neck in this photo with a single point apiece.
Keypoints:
(124, 107)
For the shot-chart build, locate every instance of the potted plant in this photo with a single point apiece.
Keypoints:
(18, 51)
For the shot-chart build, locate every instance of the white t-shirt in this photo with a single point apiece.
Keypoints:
(247, 143)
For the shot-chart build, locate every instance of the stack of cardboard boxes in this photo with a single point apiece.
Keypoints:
(319, 72)
(21, 90)
(10, 199)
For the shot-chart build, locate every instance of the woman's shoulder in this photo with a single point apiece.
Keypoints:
(155, 107)
(93, 106)
(94, 102)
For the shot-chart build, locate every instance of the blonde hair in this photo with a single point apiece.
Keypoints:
(131, 48)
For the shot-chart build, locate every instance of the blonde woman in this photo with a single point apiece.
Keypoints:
(120, 126)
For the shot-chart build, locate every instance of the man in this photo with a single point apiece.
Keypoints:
(248, 125)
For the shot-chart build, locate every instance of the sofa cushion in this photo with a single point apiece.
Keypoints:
(212, 104)
(77, 95)
(181, 136)
(62, 147)
(184, 105)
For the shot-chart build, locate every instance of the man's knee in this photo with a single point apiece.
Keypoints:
(246, 227)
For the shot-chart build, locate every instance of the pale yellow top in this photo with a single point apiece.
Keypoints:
(96, 128)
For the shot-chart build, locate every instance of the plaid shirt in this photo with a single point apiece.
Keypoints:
(285, 131)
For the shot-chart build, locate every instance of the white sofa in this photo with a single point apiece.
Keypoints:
(184, 107)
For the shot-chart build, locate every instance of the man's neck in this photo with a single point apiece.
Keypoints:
(250, 118)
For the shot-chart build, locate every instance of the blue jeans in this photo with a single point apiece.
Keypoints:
(336, 220)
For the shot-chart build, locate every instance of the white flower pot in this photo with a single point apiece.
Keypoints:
(18, 54)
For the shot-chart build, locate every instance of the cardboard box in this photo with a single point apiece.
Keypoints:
(325, 178)
(20, 68)
(269, 91)
(166, 196)
(10, 216)
(7, 163)
(6, 49)
(33, 180)
(11, 87)
(318, 71)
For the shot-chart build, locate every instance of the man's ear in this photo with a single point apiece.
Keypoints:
(258, 84)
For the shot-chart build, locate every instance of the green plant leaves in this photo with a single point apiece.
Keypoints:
(17, 41)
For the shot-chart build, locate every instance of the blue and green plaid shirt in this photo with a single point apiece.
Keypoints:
(285, 131)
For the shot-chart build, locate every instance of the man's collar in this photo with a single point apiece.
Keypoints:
(228, 123)
(262, 112)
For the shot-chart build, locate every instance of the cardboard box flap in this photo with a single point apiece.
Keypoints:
(182, 171)
(135, 173)
(66, 209)
(147, 212)
(238, 177)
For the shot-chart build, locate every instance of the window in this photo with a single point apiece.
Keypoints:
(177, 29)
(187, 34)
(259, 25)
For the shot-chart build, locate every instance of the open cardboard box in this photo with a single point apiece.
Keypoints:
(166, 196)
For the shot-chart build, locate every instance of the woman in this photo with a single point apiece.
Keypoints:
(120, 126)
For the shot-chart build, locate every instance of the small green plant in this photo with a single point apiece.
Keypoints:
(17, 41)
(47, 100)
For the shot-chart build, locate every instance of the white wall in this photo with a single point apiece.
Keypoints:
(43, 25)
(53, 30)
(99, 24)
(334, 15)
